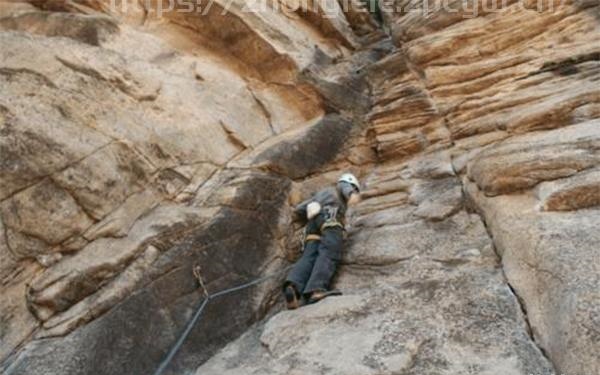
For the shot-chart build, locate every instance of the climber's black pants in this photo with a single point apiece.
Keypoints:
(315, 269)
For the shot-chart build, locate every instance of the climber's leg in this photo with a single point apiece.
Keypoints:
(292, 297)
(330, 254)
(300, 273)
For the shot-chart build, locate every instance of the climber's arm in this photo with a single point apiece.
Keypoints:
(300, 209)
(308, 209)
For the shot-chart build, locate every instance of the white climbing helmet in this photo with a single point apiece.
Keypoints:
(351, 179)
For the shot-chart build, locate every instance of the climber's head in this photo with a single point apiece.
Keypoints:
(349, 188)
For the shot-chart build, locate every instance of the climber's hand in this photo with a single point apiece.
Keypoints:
(312, 210)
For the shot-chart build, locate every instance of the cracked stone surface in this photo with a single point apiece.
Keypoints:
(420, 296)
(135, 146)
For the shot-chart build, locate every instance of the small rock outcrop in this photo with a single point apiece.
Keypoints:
(140, 140)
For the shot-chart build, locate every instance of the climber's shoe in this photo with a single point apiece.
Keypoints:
(292, 298)
(318, 295)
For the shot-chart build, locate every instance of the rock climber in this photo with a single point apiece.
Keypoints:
(309, 280)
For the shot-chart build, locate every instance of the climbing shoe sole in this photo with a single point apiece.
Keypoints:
(291, 298)
(317, 296)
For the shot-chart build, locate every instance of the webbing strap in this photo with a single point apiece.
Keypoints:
(331, 224)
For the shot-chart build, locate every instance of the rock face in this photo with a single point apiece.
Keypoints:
(139, 140)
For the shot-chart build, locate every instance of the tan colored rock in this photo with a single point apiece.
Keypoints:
(75, 278)
(525, 161)
(550, 259)
(577, 192)
(9, 8)
(407, 311)
(37, 138)
(25, 246)
(172, 139)
(435, 165)
(16, 324)
(96, 304)
(437, 200)
(119, 222)
(477, 80)
(106, 178)
(154, 98)
(30, 211)
(92, 30)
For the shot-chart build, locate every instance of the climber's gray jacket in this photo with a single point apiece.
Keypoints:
(328, 198)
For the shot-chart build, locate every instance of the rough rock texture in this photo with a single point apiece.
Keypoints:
(137, 144)
(420, 297)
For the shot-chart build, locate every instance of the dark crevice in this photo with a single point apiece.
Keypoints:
(13, 71)
(263, 109)
(518, 298)
(566, 67)
(233, 137)
(116, 82)
(471, 206)
(528, 326)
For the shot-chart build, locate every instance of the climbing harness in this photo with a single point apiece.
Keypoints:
(331, 221)
(331, 224)
(207, 298)
(305, 237)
